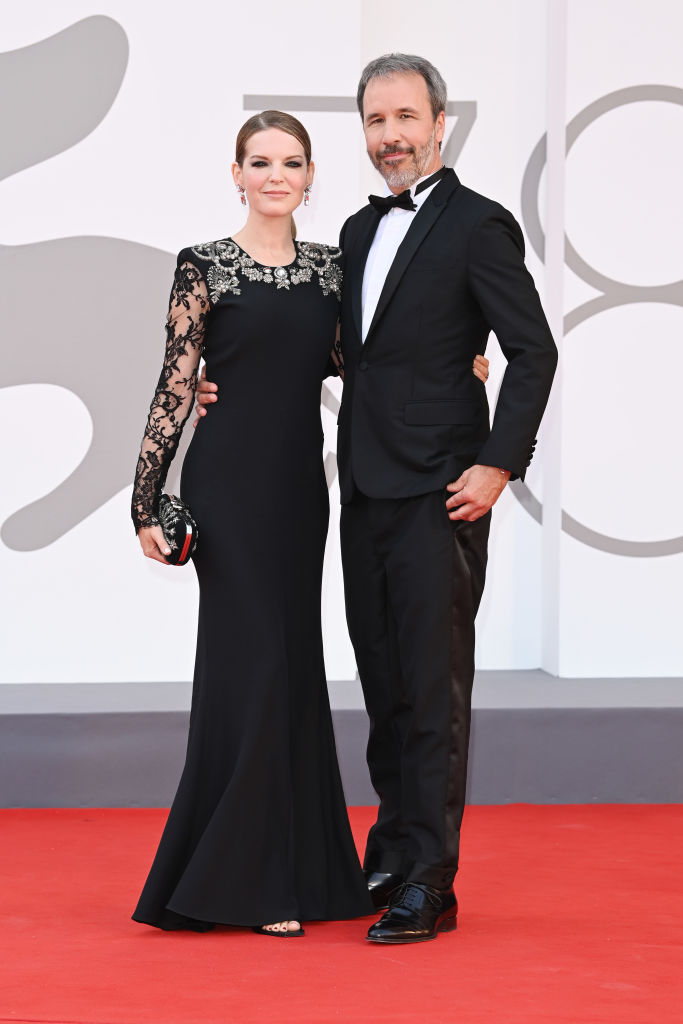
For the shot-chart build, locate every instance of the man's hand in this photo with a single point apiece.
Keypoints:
(206, 393)
(475, 492)
(480, 368)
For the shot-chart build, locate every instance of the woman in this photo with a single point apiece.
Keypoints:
(258, 833)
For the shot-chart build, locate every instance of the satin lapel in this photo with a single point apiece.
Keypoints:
(358, 260)
(434, 206)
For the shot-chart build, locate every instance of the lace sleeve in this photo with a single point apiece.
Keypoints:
(172, 402)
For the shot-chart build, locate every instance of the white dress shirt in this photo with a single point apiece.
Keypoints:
(392, 229)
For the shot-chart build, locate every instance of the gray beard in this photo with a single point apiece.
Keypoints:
(404, 177)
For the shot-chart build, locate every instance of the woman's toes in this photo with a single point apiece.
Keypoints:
(282, 926)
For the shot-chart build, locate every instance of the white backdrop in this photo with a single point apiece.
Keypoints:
(86, 607)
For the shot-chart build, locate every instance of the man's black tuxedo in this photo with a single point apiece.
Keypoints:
(413, 415)
(412, 418)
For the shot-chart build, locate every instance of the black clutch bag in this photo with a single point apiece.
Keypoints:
(179, 527)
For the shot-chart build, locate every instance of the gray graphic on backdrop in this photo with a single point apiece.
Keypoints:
(57, 91)
(464, 110)
(613, 294)
(92, 332)
(100, 300)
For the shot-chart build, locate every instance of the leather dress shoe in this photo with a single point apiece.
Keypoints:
(381, 884)
(416, 913)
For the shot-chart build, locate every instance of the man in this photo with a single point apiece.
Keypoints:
(430, 270)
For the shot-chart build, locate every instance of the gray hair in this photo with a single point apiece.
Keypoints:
(402, 64)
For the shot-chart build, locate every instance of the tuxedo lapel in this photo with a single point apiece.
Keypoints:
(359, 258)
(433, 207)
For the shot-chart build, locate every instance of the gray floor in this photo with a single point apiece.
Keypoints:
(535, 739)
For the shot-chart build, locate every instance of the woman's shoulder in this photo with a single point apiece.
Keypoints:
(323, 260)
(207, 252)
(319, 250)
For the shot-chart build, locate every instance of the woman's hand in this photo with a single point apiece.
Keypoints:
(205, 395)
(153, 543)
(480, 368)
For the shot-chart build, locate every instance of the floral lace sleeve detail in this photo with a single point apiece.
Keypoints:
(172, 402)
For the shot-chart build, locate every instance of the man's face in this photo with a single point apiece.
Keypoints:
(401, 134)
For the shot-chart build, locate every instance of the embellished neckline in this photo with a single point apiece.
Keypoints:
(267, 266)
(229, 263)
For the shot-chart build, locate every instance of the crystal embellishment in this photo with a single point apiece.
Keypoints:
(229, 263)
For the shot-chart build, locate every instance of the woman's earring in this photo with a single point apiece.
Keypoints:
(307, 196)
(243, 198)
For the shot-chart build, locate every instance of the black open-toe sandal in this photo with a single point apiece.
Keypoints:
(263, 930)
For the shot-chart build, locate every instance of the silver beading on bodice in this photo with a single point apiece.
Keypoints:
(229, 262)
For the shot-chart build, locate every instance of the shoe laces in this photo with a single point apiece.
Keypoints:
(411, 896)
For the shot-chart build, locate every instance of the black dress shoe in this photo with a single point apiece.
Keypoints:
(416, 913)
(381, 884)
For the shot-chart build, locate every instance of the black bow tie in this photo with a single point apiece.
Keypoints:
(383, 204)
(404, 201)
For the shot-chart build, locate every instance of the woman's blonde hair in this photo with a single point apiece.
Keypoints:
(272, 119)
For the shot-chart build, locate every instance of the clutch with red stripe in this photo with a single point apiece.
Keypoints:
(180, 529)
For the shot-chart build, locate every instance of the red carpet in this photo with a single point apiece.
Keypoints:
(568, 914)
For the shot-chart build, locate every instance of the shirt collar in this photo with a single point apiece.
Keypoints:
(418, 200)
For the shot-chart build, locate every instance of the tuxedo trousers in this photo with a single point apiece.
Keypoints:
(413, 580)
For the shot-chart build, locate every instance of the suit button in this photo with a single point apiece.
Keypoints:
(362, 365)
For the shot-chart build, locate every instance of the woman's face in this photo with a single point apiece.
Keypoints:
(274, 172)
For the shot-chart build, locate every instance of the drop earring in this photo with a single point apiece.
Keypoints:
(307, 195)
(243, 198)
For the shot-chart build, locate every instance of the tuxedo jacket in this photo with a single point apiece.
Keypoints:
(413, 415)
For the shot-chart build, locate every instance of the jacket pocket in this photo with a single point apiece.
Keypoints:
(425, 414)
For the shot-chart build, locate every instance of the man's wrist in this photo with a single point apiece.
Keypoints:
(499, 469)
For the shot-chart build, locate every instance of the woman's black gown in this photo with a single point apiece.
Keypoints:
(258, 830)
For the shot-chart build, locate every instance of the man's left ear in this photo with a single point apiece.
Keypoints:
(440, 126)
